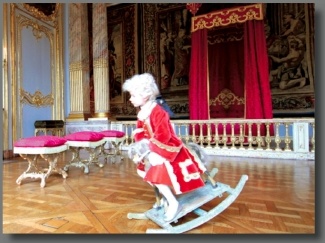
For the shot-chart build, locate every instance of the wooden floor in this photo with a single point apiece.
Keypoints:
(279, 197)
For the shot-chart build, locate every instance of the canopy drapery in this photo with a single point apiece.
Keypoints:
(256, 98)
(229, 65)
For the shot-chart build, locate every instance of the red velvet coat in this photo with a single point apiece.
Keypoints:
(182, 168)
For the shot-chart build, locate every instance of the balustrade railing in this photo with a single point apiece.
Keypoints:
(287, 138)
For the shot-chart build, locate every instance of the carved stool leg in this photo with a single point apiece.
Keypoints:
(34, 172)
(104, 153)
(76, 160)
(117, 151)
(93, 155)
(52, 160)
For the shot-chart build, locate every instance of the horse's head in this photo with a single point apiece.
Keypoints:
(138, 150)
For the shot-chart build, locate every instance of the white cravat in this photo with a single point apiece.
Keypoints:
(145, 110)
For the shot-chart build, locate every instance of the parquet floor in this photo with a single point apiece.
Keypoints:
(278, 198)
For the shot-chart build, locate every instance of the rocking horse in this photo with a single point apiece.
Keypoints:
(191, 201)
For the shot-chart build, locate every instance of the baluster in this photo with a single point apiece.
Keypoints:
(268, 137)
(193, 133)
(127, 137)
(179, 131)
(209, 137)
(216, 138)
(287, 139)
(233, 138)
(132, 137)
(250, 137)
(187, 137)
(175, 127)
(241, 136)
(259, 138)
(277, 137)
(224, 136)
(201, 137)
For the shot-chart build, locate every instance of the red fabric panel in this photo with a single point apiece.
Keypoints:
(226, 72)
(258, 93)
(198, 87)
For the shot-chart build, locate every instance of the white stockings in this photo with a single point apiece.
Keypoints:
(173, 204)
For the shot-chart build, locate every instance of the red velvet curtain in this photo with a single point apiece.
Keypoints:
(198, 84)
(258, 93)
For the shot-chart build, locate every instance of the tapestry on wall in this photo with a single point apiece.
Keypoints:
(122, 53)
(290, 42)
(167, 50)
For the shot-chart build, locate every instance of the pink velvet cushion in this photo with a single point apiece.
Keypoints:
(113, 133)
(40, 141)
(84, 136)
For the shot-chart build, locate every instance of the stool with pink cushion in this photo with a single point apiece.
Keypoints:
(89, 141)
(114, 138)
(47, 147)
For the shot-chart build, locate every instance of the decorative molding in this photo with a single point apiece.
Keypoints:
(79, 66)
(37, 99)
(100, 63)
(40, 15)
(227, 17)
(23, 21)
(37, 31)
(299, 102)
(227, 98)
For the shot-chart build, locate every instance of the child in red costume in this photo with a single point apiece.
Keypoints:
(172, 164)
